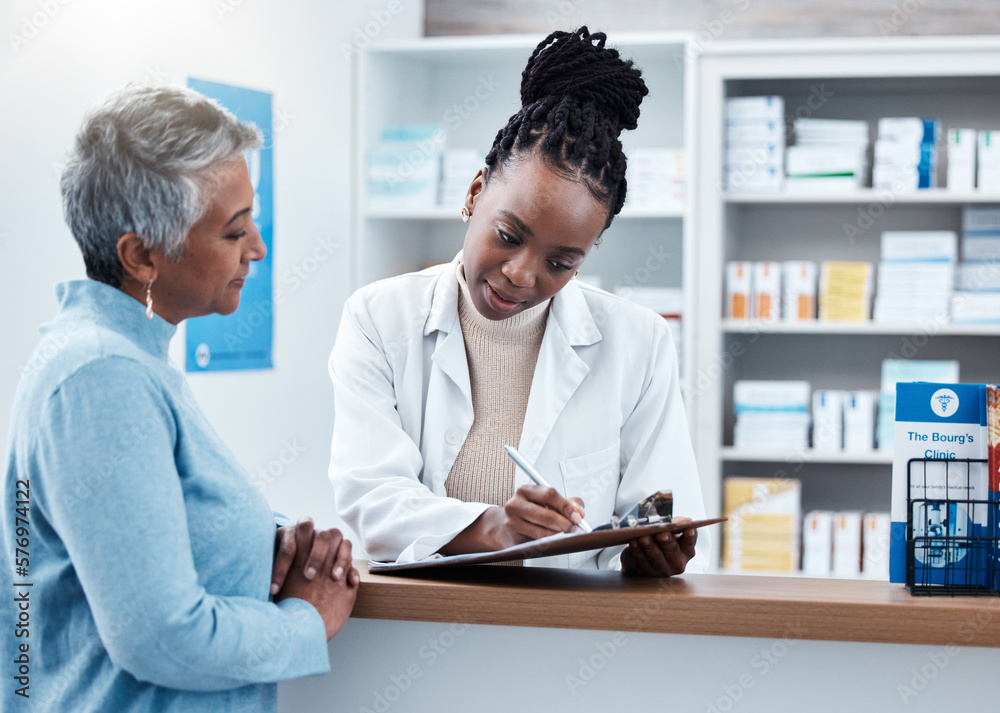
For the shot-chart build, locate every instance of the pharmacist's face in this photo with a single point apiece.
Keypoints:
(529, 233)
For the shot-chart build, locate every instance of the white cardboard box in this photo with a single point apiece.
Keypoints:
(770, 107)
(847, 543)
(817, 542)
(961, 159)
(929, 245)
(828, 415)
(765, 305)
(738, 289)
(798, 296)
(859, 421)
(875, 545)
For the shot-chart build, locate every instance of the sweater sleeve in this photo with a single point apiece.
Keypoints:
(125, 529)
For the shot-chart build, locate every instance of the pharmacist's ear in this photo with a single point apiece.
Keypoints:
(476, 189)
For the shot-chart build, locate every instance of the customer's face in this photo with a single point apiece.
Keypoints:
(216, 256)
(529, 233)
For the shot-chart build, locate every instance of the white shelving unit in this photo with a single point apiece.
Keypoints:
(435, 80)
(956, 80)
(745, 455)
(736, 326)
(864, 197)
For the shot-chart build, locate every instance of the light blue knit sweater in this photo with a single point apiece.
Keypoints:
(149, 551)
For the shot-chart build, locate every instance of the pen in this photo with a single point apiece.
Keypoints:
(530, 471)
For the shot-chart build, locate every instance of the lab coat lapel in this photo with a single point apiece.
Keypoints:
(449, 388)
(560, 370)
(449, 350)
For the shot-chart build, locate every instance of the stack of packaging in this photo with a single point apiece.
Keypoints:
(755, 144)
(771, 415)
(977, 278)
(828, 155)
(845, 291)
(458, 168)
(762, 532)
(656, 179)
(906, 154)
(404, 170)
(916, 277)
(961, 159)
(765, 291)
(843, 420)
(895, 371)
(846, 544)
(988, 176)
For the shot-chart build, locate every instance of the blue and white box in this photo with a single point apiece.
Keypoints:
(981, 234)
(906, 156)
(945, 423)
(755, 144)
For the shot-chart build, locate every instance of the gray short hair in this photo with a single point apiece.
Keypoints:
(144, 163)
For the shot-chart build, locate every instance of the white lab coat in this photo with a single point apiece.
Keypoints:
(604, 420)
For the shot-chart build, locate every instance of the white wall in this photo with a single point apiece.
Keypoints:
(59, 57)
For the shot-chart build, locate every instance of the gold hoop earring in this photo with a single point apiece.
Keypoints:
(465, 214)
(149, 300)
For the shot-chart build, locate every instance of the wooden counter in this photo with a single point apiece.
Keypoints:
(710, 604)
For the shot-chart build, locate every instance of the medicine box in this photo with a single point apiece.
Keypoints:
(875, 545)
(980, 234)
(919, 245)
(817, 542)
(739, 109)
(828, 415)
(738, 284)
(988, 158)
(765, 304)
(847, 544)
(799, 282)
(961, 159)
(762, 531)
(859, 421)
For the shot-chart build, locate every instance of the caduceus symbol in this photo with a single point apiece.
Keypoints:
(944, 400)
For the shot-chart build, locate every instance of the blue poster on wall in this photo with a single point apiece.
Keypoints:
(242, 340)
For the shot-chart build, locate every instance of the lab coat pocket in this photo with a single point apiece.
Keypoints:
(594, 478)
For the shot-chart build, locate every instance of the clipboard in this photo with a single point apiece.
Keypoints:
(559, 544)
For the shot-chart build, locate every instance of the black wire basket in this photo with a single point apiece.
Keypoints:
(952, 539)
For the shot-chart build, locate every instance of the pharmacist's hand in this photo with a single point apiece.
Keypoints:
(537, 511)
(332, 597)
(661, 555)
(285, 549)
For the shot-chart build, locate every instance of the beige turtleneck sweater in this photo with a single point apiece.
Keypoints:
(502, 355)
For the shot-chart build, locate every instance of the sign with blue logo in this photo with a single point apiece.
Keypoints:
(934, 487)
(243, 339)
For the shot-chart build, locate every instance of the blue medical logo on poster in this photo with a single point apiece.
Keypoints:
(242, 340)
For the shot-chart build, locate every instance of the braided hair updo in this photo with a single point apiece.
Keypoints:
(576, 98)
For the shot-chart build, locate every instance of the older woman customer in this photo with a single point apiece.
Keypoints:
(154, 580)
